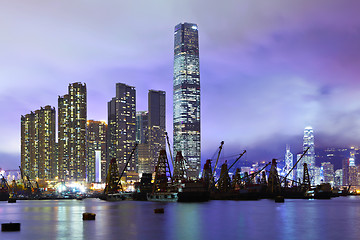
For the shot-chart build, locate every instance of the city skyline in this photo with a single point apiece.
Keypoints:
(267, 70)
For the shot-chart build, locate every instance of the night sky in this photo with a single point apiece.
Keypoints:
(268, 69)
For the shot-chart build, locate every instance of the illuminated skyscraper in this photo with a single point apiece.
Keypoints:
(289, 163)
(28, 164)
(338, 179)
(38, 143)
(96, 151)
(142, 127)
(186, 96)
(122, 126)
(72, 117)
(309, 157)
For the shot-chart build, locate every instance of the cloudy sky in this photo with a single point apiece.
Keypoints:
(268, 68)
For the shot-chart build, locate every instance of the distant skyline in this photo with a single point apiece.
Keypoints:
(268, 69)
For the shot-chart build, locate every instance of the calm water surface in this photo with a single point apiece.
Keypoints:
(338, 218)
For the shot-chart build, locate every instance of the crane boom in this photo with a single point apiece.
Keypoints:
(127, 162)
(231, 165)
(168, 142)
(295, 164)
(217, 159)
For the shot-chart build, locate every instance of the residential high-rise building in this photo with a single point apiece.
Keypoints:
(96, 151)
(289, 163)
(309, 157)
(186, 96)
(28, 144)
(38, 158)
(72, 117)
(157, 127)
(122, 127)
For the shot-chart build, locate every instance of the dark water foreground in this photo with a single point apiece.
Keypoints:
(338, 218)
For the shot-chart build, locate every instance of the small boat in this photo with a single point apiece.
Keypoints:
(89, 216)
(159, 210)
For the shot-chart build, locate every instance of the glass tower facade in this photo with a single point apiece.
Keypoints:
(309, 157)
(186, 96)
(289, 163)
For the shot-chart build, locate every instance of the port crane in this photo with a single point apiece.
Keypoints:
(113, 178)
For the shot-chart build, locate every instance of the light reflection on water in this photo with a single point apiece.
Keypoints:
(337, 218)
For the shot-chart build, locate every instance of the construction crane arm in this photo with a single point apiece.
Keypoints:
(168, 142)
(127, 162)
(295, 164)
(231, 165)
(217, 159)
(256, 173)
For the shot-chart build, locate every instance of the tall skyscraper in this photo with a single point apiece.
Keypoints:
(186, 96)
(157, 127)
(122, 126)
(96, 151)
(309, 157)
(72, 117)
(289, 163)
(38, 143)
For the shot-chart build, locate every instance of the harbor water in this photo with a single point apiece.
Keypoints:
(337, 218)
